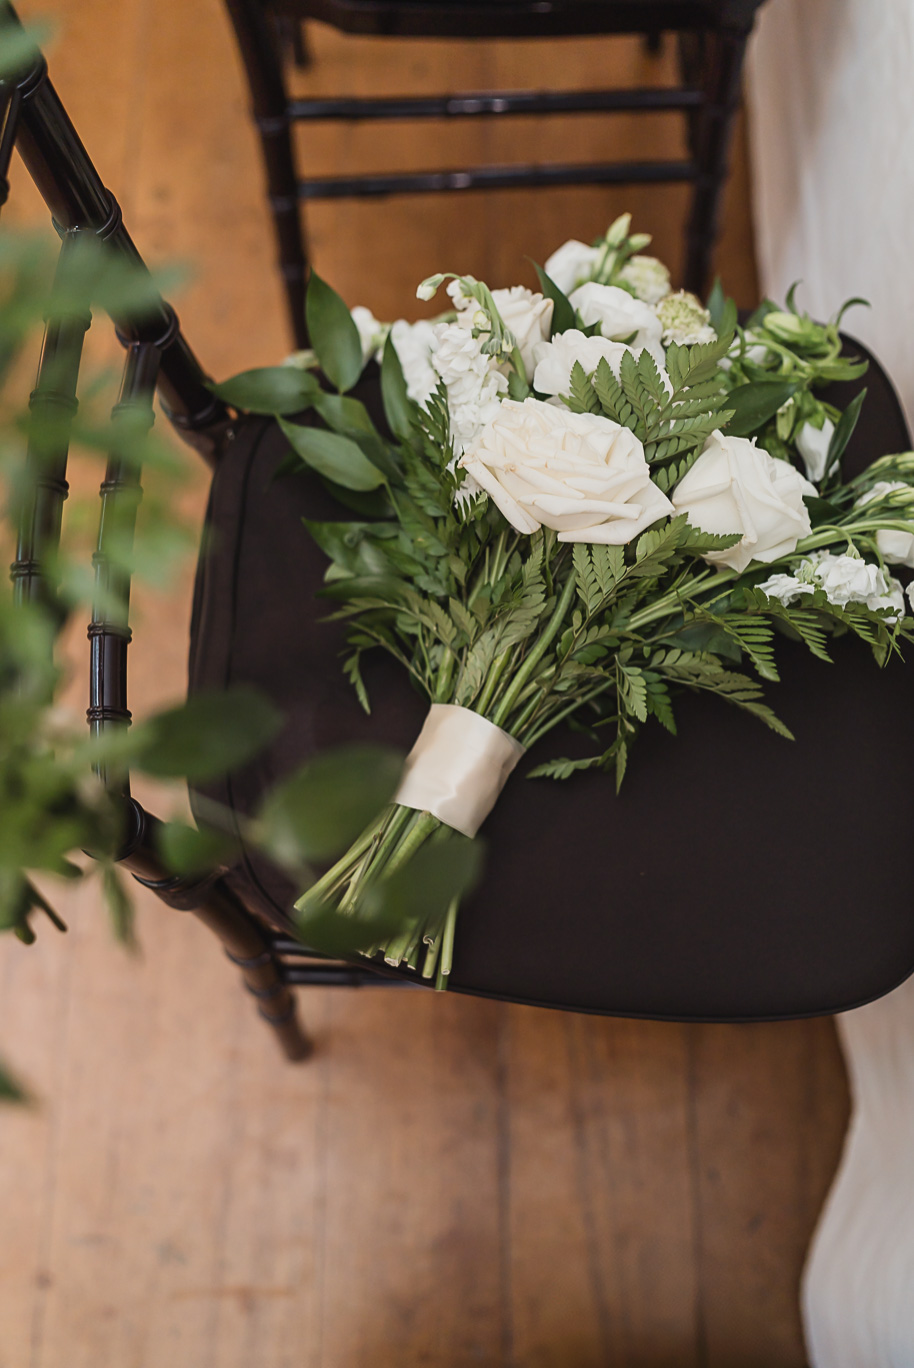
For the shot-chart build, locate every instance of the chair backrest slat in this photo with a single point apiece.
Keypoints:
(121, 492)
(52, 406)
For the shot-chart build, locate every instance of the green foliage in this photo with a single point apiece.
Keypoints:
(209, 735)
(334, 335)
(562, 309)
(272, 389)
(321, 809)
(336, 457)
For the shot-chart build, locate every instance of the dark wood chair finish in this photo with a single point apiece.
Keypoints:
(712, 40)
(33, 120)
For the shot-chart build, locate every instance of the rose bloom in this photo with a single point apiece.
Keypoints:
(571, 264)
(580, 474)
(620, 315)
(735, 486)
(555, 360)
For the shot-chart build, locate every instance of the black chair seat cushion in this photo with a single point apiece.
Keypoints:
(737, 876)
(518, 18)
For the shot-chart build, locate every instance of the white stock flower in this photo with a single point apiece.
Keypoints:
(850, 579)
(787, 588)
(582, 475)
(685, 320)
(897, 547)
(473, 384)
(372, 334)
(413, 343)
(571, 264)
(648, 277)
(812, 444)
(555, 361)
(619, 316)
(526, 315)
(735, 486)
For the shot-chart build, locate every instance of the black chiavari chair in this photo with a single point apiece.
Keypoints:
(720, 886)
(711, 34)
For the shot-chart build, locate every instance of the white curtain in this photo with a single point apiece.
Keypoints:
(831, 110)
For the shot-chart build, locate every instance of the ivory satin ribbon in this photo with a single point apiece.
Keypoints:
(458, 767)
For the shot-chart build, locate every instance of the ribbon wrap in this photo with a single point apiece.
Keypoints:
(458, 767)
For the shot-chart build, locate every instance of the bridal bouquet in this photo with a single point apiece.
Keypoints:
(592, 497)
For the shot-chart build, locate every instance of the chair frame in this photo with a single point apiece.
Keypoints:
(711, 58)
(158, 358)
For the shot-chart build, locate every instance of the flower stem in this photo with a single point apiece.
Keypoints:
(539, 650)
(447, 948)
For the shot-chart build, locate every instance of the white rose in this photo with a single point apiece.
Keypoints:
(648, 277)
(735, 486)
(582, 475)
(555, 361)
(413, 343)
(813, 444)
(619, 315)
(897, 547)
(571, 264)
(526, 315)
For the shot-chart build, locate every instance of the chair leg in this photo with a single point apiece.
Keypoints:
(259, 54)
(722, 82)
(212, 902)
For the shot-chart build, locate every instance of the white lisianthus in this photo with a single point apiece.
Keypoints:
(620, 315)
(526, 315)
(571, 264)
(897, 547)
(413, 343)
(851, 579)
(582, 475)
(909, 592)
(372, 334)
(812, 444)
(555, 361)
(787, 588)
(472, 380)
(648, 277)
(684, 319)
(735, 486)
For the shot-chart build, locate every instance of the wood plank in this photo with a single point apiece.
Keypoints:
(770, 1108)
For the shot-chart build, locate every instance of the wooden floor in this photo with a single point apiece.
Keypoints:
(449, 1181)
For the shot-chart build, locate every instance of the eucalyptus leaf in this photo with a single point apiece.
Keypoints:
(438, 873)
(844, 430)
(272, 389)
(562, 311)
(192, 850)
(11, 1090)
(120, 907)
(755, 404)
(210, 735)
(399, 409)
(321, 809)
(334, 335)
(336, 457)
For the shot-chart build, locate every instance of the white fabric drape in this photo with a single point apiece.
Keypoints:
(831, 110)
